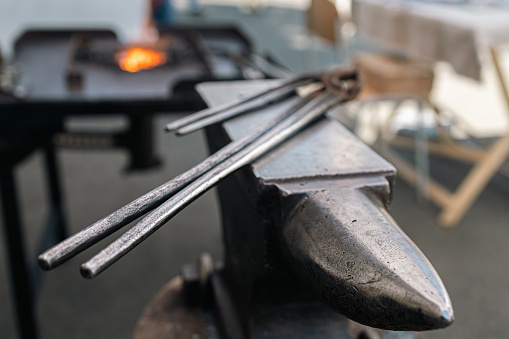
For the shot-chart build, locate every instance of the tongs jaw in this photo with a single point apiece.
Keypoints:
(345, 82)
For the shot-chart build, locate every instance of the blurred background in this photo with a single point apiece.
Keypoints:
(471, 257)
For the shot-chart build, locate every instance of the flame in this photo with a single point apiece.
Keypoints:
(135, 59)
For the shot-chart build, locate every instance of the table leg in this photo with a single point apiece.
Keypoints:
(19, 270)
(55, 191)
(141, 143)
(55, 228)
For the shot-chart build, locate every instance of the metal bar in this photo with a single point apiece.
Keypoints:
(19, 109)
(20, 274)
(272, 96)
(286, 87)
(87, 237)
(279, 133)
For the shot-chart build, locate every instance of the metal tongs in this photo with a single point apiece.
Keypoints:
(173, 196)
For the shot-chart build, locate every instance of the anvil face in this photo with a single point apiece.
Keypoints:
(333, 228)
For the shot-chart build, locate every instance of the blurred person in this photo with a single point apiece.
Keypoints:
(162, 12)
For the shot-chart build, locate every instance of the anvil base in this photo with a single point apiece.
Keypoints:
(188, 308)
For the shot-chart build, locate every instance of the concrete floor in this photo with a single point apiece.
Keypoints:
(471, 259)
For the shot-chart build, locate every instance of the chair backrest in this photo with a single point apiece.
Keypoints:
(383, 74)
(321, 19)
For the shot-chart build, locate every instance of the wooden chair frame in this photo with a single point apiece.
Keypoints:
(486, 164)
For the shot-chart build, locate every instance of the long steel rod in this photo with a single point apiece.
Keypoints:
(87, 237)
(241, 109)
(246, 103)
(270, 97)
(282, 131)
(276, 94)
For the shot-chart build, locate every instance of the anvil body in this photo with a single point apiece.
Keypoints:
(311, 217)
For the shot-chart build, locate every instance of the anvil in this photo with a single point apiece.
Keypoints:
(315, 208)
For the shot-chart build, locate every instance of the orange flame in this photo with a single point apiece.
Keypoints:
(135, 59)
